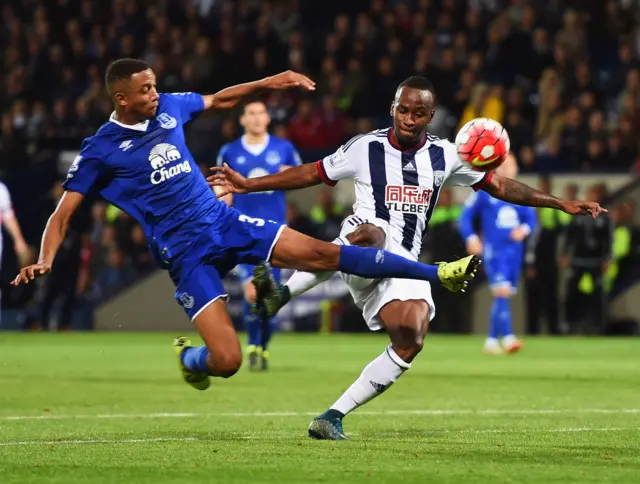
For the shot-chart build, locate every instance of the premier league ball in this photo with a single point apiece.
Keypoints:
(483, 143)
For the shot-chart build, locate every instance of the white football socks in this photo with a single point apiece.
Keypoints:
(376, 377)
(301, 282)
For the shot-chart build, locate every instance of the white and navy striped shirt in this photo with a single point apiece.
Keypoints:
(396, 188)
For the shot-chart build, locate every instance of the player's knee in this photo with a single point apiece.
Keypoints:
(502, 291)
(367, 235)
(408, 339)
(226, 364)
(414, 343)
(409, 346)
(407, 323)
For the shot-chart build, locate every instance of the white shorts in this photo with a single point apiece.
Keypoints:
(371, 295)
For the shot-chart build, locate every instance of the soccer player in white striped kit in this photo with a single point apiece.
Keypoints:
(398, 175)
(10, 222)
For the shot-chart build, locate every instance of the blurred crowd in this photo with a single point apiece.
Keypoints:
(563, 76)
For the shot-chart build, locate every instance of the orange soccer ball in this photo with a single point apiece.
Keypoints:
(483, 143)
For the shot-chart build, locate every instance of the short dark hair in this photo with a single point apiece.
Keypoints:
(253, 101)
(123, 69)
(418, 82)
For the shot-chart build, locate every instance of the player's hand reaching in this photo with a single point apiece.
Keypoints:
(29, 273)
(289, 79)
(225, 181)
(583, 208)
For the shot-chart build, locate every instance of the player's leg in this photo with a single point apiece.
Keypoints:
(203, 297)
(354, 232)
(268, 325)
(252, 322)
(500, 320)
(252, 240)
(297, 251)
(509, 341)
(220, 338)
(496, 269)
(406, 321)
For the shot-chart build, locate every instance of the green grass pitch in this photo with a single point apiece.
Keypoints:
(111, 408)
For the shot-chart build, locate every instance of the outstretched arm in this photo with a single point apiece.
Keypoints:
(231, 96)
(513, 191)
(53, 236)
(226, 180)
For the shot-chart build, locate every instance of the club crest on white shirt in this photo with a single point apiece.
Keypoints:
(438, 178)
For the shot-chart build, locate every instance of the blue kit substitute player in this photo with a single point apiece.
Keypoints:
(257, 153)
(139, 162)
(504, 228)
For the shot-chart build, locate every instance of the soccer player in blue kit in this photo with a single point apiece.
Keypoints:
(504, 228)
(139, 162)
(258, 153)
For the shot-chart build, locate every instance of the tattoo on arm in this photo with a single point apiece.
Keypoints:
(518, 193)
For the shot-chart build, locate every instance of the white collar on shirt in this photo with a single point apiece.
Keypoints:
(255, 150)
(136, 127)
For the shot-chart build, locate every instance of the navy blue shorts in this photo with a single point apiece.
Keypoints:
(233, 240)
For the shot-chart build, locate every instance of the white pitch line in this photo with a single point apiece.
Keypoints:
(97, 441)
(425, 412)
(292, 435)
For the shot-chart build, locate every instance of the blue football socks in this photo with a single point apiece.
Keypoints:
(379, 264)
(252, 325)
(500, 319)
(195, 359)
(259, 333)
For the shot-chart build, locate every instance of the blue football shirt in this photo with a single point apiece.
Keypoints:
(148, 171)
(252, 161)
(497, 220)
